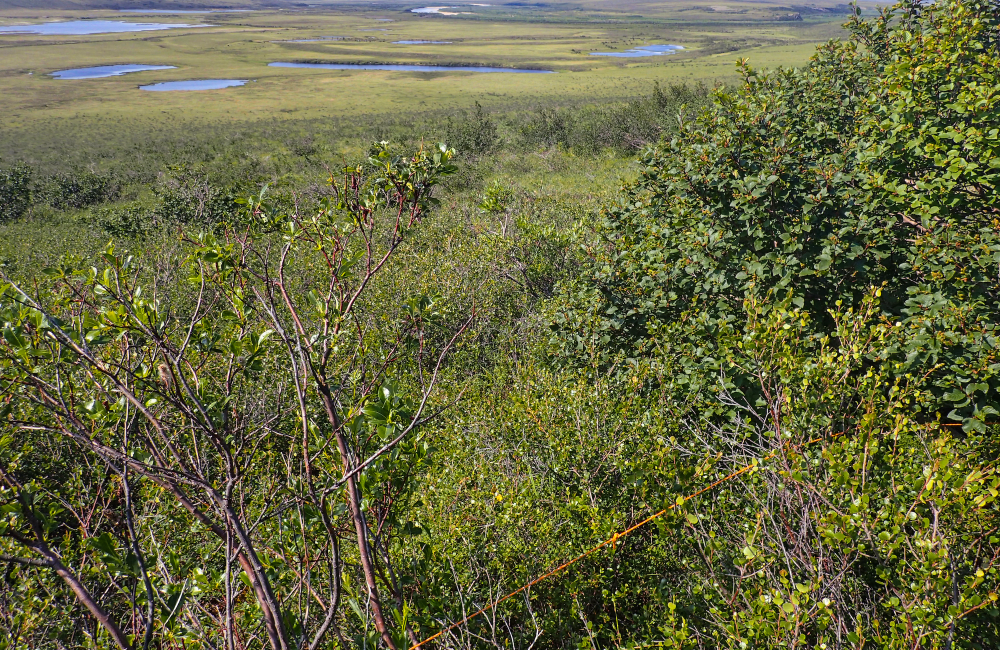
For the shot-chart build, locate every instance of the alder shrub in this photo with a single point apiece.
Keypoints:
(872, 167)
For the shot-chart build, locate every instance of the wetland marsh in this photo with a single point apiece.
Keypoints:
(284, 89)
(336, 63)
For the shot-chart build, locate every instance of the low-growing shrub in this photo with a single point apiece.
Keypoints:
(129, 220)
(80, 189)
(475, 135)
(15, 192)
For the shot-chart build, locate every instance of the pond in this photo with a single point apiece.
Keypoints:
(643, 50)
(183, 11)
(164, 11)
(440, 10)
(422, 42)
(195, 84)
(106, 71)
(84, 27)
(400, 67)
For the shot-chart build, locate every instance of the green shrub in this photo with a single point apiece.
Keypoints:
(474, 135)
(130, 220)
(189, 198)
(809, 187)
(15, 192)
(80, 189)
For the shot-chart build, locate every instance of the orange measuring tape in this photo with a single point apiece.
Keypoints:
(610, 541)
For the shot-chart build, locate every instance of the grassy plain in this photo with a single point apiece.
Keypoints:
(42, 114)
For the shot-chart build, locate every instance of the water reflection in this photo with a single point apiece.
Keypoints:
(195, 84)
(85, 27)
(184, 11)
(402, 67)
(643, 50)
(106, 71)
(441, 10)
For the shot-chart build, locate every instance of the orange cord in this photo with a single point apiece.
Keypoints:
(611, 540)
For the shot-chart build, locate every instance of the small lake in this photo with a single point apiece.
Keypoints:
(422, 42)
(440, 10)
(84, 27)
(402, 67)
(643, 50)
(195, 84)
(164, 11)
(183, 11)
(106, 71)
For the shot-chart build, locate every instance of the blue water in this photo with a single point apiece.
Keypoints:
(195, 84)
(83, 27)
(165, 11)
(183, 11)
(401, 67)
(422, 42)
(643, 50)
(438, 10)
(106, 71)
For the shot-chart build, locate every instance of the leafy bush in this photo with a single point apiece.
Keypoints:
(808, 188)
(497, 198)
(80, 189)
(90, 316)
(474, 134)
(189, 197)
(15, 192)
(130, 220)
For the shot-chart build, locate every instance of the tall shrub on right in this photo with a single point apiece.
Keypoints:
(929, 154)
(811, 270)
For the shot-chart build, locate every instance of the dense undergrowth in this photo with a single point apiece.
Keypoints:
(350, 414)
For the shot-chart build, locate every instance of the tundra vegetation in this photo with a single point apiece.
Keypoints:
(291, 415)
